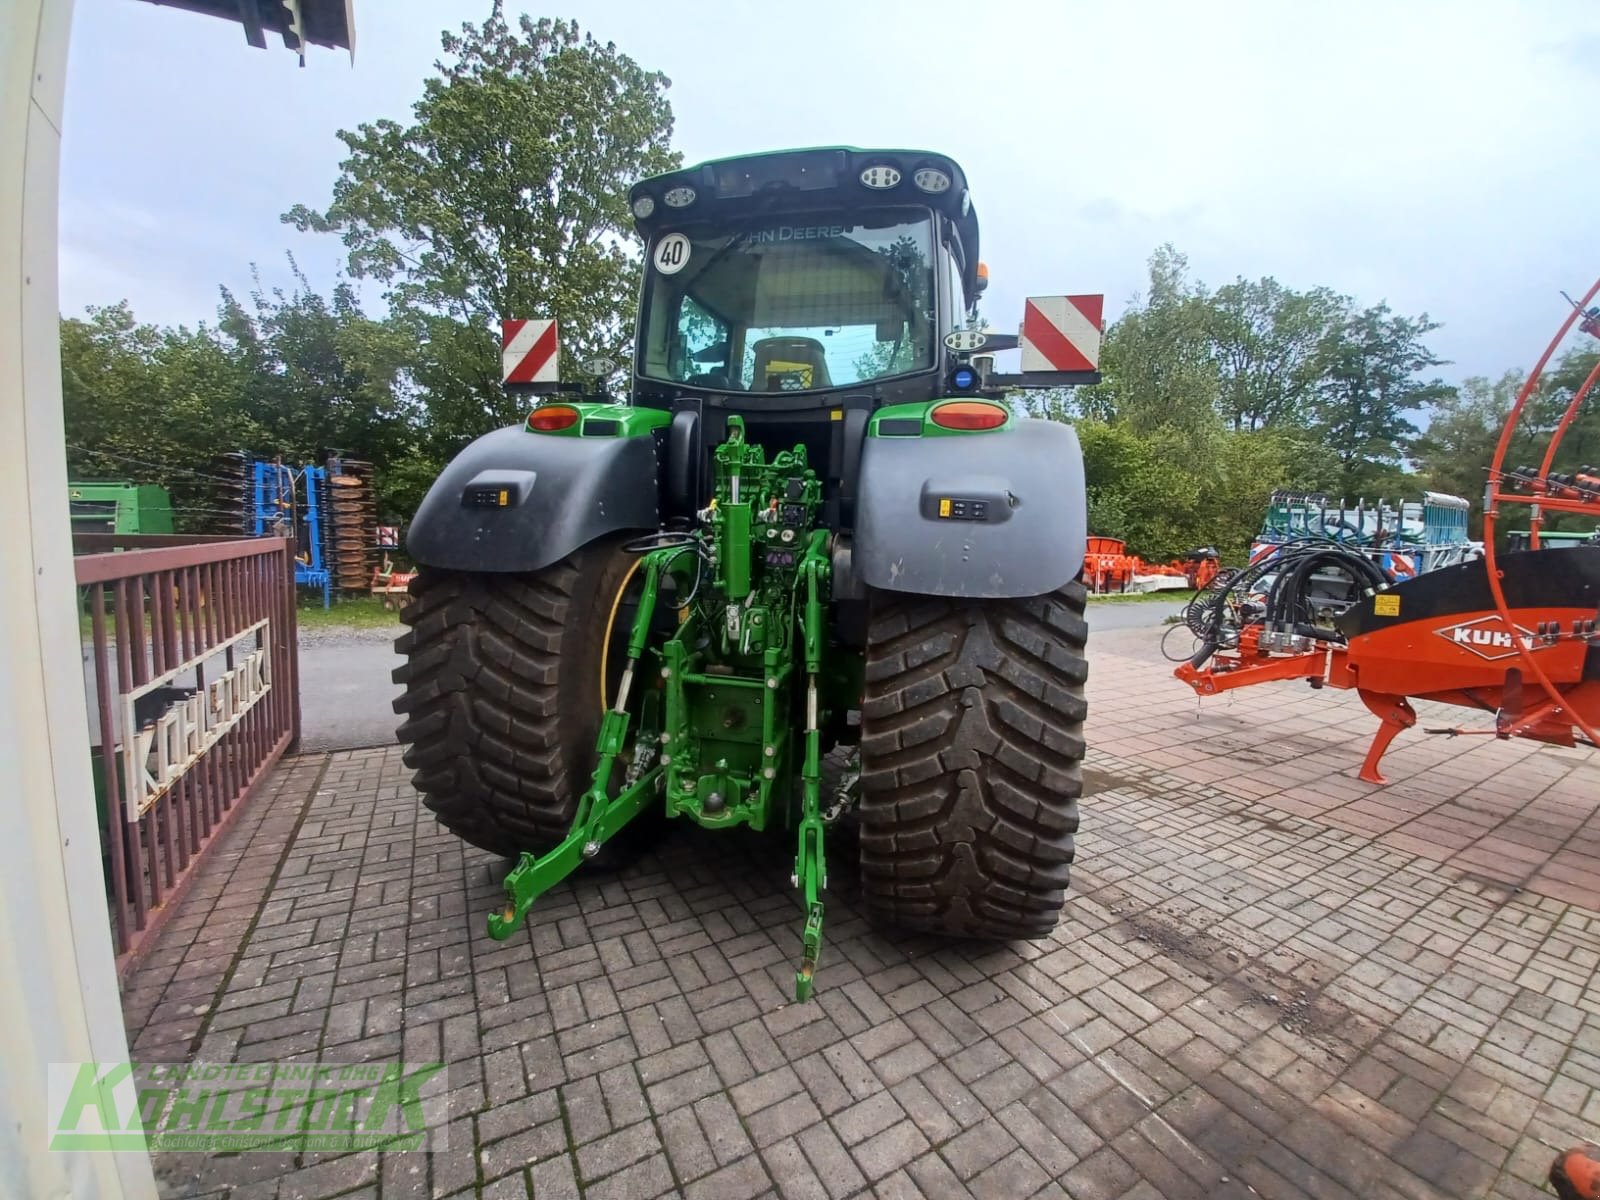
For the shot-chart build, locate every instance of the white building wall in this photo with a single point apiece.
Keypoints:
(58, 987)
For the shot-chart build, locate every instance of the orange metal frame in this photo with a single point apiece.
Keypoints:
(1107, 566)
(1388, 665)
(1498, 496)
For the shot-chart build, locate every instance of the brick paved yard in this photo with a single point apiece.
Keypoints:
(1272, 980)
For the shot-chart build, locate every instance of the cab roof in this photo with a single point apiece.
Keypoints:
(728, 190)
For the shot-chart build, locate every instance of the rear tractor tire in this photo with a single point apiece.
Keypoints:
(971, 759)
(502, 695)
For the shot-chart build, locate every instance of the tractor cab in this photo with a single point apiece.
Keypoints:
(801, 290)
(790, 281)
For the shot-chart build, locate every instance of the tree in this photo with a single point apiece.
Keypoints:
(1369, 385)
(1242, 472)
(1542, 416)
(1456, 449)
(1137, 492)
(325, 377)
(1156, 359)
(151, 405)
(1166, 494)
(1269, 343)
(1052, 404)
(1580, 445)
(294, 375)
(105, 387)
(1211, 400)
(1453, 453)
(505, 196)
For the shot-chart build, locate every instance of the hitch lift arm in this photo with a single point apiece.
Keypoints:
(599, 814)
(810, 864)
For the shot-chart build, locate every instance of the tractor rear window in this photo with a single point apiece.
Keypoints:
(798, 303)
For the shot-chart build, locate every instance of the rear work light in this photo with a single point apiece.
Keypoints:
(552, 418)
(880, 177)
(969, 414)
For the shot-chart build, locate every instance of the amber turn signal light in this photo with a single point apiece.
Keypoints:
(552, 418)
(969, 414)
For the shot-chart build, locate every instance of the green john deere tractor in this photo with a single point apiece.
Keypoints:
(814, 530)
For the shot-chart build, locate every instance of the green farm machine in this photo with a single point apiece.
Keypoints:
(815, 533)
(102, 507)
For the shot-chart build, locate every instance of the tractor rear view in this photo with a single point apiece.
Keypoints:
(814, 528)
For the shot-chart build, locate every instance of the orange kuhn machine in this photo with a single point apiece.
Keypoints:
(1512, 635)
(1108, 567)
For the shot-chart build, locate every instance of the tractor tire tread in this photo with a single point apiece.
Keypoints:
(500, 700)
(971, 757)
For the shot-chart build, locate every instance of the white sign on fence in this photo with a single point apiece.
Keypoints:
(160, 749)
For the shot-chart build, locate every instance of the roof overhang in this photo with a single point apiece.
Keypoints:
(298, 22)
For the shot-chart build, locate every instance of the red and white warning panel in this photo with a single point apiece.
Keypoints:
(1062, 333)
(528, 352)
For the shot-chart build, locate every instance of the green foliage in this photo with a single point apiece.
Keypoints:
(323, 373)
(358, 612)
(1270, 347)
(295, 375)
(1052, 404)
(506, 196)
(1167, 493)
(1369, 385)
(150, 405)
(1211, 400)
(1581, 443)
(1157, 362)
(1137, 492)
(1463, 429)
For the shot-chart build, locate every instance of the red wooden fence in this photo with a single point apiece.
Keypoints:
(194, 680)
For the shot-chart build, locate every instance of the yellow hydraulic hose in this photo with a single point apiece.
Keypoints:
(605, 646)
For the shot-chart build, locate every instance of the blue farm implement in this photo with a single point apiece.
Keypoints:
(1404, 538)
(329, 511)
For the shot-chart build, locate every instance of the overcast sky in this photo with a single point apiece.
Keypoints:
(1436, 155)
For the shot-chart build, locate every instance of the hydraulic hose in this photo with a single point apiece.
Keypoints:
(1211, 639)
(1289, 589)
(1293, 567)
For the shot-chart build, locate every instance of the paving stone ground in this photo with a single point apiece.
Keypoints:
(1271, 981)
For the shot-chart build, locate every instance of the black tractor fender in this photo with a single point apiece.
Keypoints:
(985, 515)
(519, 501)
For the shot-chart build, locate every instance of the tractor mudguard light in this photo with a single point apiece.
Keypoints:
(812, 571)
